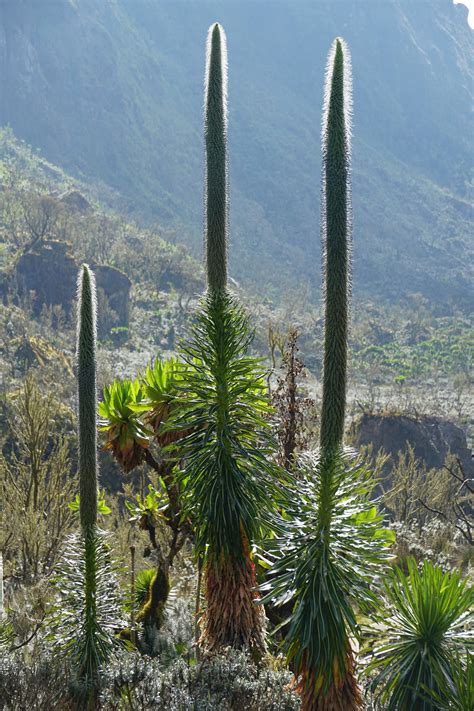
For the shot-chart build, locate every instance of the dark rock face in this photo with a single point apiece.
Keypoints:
(50, 271)
(432, 438)
(116, 287)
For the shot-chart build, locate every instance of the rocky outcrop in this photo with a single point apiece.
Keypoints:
(432, 438)
(75, 201)
(116, 286)
(50, 272)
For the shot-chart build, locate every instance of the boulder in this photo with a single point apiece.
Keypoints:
(116, 287)
(75, 201)
(432, 438)
(49, 270)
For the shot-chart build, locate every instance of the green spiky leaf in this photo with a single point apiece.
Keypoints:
(229, 482)
(102, 507)
(120, 410)
(428, 619)
(329, 561)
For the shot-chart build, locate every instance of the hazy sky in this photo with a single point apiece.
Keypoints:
(469, 4)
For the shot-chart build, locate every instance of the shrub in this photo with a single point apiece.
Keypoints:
(428, 620)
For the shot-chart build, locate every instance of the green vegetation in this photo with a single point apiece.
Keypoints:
(120, 412)
(36, 483)
(457, 693)
(231, 483)
(92, 643)
(448, 350)
(334, 549)
(328, 566)
(427, 621)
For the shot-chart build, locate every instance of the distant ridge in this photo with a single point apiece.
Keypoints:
(112, 91)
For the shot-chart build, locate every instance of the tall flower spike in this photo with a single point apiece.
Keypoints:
(87, 619)
(228, 477)
(86, 380)
(334, 548)
(216, 200)
(336, 228)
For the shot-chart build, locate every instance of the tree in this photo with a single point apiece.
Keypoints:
(36, 483)
(136, 419)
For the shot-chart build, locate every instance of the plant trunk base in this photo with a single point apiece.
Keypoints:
(232, 618)
(343, 694)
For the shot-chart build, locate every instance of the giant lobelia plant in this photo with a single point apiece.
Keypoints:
(230, 482)
(334, 549)
(86, 614)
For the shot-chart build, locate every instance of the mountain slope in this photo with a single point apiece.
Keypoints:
(113, 90)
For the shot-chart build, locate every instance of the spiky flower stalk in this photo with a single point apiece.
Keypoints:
(216, 202)
(336, 227)
(87, 407)
(83, 623)
(333, 548)
(222, 486)
(87, 397)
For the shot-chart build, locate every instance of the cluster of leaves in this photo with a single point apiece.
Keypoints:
(233, 484)
(425, 627)
(69, 629)
(327, 565)
(102, 507)
(42, 682)
(133, 411)
(457, 693)
(147, 508)
(226, 682)
(120, 409)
